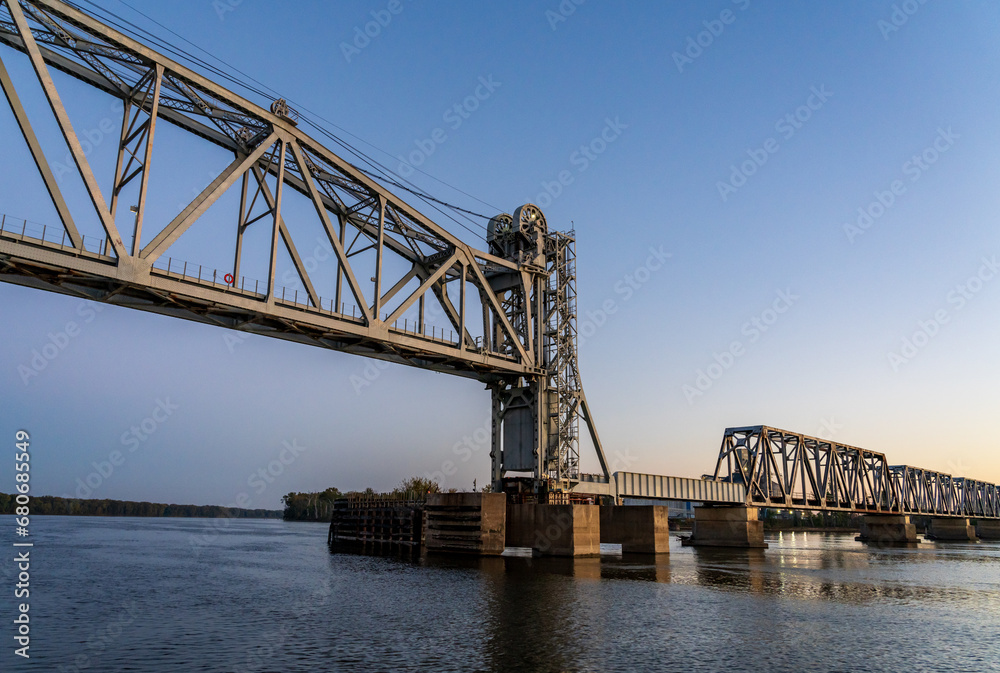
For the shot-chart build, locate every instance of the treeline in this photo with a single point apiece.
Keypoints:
(48, 504)
(310, 506)
(319, 506)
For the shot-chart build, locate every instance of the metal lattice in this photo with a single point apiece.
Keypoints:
(522, 288)
(561, 367)
(789, 470)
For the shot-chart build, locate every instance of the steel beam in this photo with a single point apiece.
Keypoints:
(789, 470)
(39, 157)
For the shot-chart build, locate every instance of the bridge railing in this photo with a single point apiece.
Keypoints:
(20, 229)
(54, 237)
(298, 298)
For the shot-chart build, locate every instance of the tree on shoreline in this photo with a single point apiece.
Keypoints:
(310, 506)
(52, 505)
(319, 506)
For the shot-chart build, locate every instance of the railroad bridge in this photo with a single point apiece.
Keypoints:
(405, 289)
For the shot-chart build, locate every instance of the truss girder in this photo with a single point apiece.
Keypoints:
(788, 470)
(195, 99)
(264, 145)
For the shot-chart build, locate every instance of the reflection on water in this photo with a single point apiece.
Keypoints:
(270, 596)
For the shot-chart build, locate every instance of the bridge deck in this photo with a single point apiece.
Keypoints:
(636, 485)
(33, 256)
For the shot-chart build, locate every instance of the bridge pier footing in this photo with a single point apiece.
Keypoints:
(639, 529)
(555, 530)
(465, 523)
(951, 529)
(988, 529)
(727, 527)
(887, 529)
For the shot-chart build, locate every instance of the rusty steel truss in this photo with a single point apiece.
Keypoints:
(788, 470)
(509, 311)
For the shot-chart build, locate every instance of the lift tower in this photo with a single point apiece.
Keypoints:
(536, 425)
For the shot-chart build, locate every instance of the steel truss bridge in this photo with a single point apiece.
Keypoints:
(510, 310)
(788, 470)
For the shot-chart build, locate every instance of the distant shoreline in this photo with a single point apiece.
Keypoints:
(48, 505)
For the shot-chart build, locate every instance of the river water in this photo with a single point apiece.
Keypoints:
(186, 595)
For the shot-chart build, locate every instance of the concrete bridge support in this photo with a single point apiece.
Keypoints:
(555, 530)
(951, 529)
(520, 525)
(988, 529)
(727, 527)
(467, 523)
(887, 529)
(639, 529)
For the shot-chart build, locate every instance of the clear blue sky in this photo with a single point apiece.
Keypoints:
(832, 104)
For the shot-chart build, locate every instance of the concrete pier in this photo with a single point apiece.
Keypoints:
(951, 529)
(639, 529)
(727, 527)
(988, 529)
(467, 523)
(555, 530)
(520, 525)
(887, 529)
(609, 533)
(567, 530)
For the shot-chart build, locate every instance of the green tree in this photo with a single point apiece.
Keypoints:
(417, 485)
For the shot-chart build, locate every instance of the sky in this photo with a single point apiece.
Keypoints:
(786, 214)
